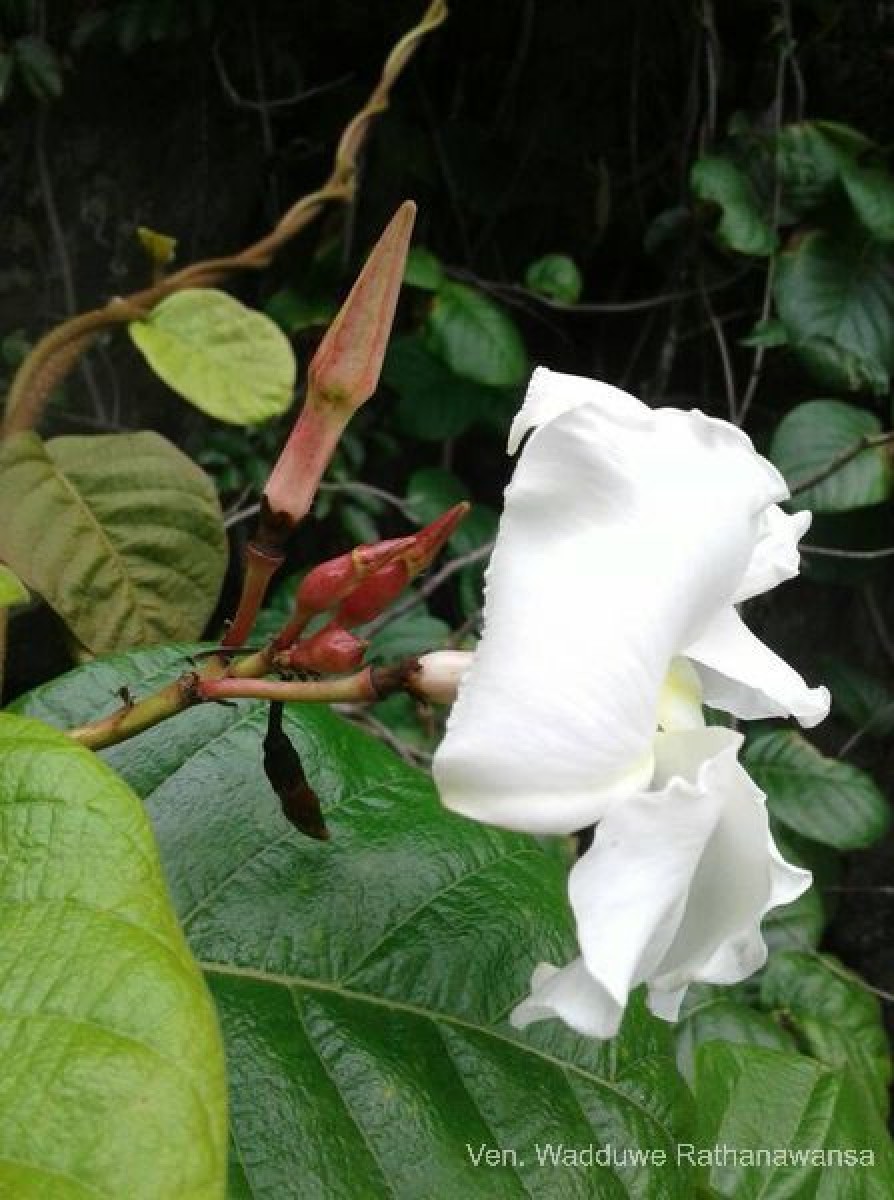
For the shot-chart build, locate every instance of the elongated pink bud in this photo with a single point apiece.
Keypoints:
(324, 586)
(327, 584)
(330, 651)
(429, 541)
(343, 374)
(370, 598)
(374, 595)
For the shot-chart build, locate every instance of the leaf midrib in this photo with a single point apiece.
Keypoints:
(331, 988)
(103, 538)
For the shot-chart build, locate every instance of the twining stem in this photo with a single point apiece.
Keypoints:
(220, 681)
(54, 355)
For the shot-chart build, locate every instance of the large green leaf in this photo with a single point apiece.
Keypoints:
(835, 297)
(776, 1126)
(363, 984)
(810, 159)
(834, 1016)
(743, 226)
(113, 1074)
(829, 801)
(812, 436)
(121, 534)
(228, 360)
(475, 337)
(871, 192)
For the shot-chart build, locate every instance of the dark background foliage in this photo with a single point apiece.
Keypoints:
(522, 129)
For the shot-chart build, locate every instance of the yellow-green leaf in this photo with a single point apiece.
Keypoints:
(228, 360)
(113, 1074)
(12, 590)
(121, 534)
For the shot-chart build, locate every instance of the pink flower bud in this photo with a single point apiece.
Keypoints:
(332, 650)
(374, 595)
(343, 375)
(429, 541)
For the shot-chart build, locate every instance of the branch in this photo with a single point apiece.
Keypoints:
(54, 355)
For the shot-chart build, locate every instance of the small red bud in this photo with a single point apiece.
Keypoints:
(374, 595)
(323, 587)
(332, 650)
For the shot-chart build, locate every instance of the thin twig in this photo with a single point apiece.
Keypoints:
(837, 552)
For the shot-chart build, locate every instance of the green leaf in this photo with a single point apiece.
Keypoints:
(796, 926)
(38, 66)
(293, 311)
(829, 801)
(424, 270)
(113, 1074)
(864, 700)
(836, 300)
(12, 590)
(811, 157)
(409, 636)
(475, 337)
(363, 984)
(434, 403)
(715, 1017)
(121, 534)
(835, 1018)
(556, 276)
(812, 436)
(742, 225)
(769, 334)
(871, 193)
(751, 1099)
(228, 360)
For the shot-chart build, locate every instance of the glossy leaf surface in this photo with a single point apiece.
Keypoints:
(364, 984)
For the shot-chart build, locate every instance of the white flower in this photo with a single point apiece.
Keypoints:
(627, 537)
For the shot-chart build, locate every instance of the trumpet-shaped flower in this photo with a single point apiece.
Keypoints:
(627, 538)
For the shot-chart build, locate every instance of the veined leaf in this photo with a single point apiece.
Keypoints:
(812, 436)
(742, 225)
(836, 300)
(228, 360)
(363, 984)
(121, 534)
(826, 800)
(834, 1016)
(475, 337)
(796, 1112)
(113, 1073)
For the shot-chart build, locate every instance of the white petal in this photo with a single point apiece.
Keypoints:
(570, 994)
(624, 531)
(665, 1004)
(740, 877)
(676, 881)
(742, 676)
(680, 698)
(552, 393)
(775, 556)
